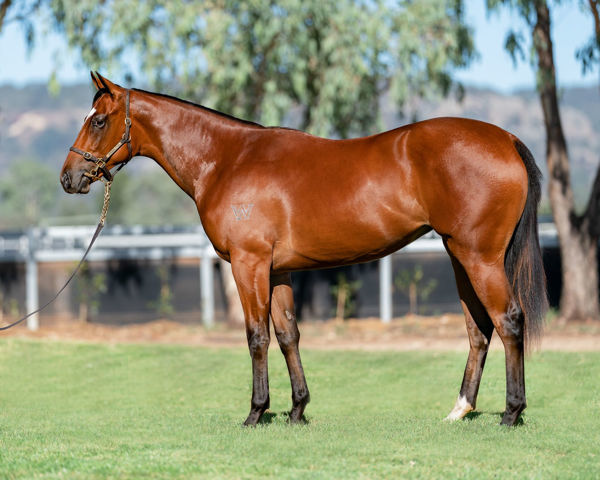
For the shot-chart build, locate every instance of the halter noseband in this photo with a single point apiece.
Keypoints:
(101, 163)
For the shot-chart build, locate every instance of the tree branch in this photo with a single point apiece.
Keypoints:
(5, 5)
(594, 8)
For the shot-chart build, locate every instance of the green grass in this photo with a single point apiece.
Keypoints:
(70, 410)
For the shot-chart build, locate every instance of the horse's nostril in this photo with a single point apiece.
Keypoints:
(66, 180)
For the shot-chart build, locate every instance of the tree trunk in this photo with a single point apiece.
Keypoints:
(412, 298)
(578, 242)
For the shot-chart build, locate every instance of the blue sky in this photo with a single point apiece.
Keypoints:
(494, 68)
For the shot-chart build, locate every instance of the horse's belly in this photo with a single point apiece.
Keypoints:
(344, 245)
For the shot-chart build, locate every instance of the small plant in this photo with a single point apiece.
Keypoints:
(10, 306)
(90, 286)
(164, 304)
(345, 295)
(410, 282)
(13, 308)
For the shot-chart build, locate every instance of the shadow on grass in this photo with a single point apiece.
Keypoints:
(471, 416)
(269, 417)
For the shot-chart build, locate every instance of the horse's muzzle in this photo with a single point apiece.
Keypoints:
(75, 183)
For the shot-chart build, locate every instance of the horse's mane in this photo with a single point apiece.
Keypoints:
(187, 102)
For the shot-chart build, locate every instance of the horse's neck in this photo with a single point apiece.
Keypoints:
(188, 142)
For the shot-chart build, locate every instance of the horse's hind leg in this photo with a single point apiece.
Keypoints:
(488, 278)
(480, 329)
(288, 336)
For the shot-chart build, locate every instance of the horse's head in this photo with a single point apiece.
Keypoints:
(103, 141)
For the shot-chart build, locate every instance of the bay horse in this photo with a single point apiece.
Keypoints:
(277, 200)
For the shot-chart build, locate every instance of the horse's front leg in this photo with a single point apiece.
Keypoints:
(251, 273)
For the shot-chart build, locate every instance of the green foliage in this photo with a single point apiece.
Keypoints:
(28, 194)
(258, 58)
(149, 198)
(516, 41)
(89, 287)
(81, 410)
(411, 282)
(8, 306)
(589, 54)
(163, 305)
(344, 293)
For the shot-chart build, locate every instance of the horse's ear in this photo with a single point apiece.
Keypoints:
(95, 81)
(107, 84)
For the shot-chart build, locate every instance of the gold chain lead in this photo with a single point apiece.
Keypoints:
(106, 202)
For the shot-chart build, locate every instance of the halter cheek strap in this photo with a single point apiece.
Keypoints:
(101, 163)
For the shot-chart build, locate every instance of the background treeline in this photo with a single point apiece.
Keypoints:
(38, 128)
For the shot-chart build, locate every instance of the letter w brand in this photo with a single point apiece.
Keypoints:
(242, 212)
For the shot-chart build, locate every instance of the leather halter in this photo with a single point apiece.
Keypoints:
(101, 163)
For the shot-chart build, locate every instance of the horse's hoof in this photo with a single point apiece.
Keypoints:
(461, 408)
(512, 416)
(251, 421)
(295, 420)
(254, 417)
(510, 420)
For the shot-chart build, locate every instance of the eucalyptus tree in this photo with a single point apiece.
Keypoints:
(28, 194)
(578, 233)
(258, 58)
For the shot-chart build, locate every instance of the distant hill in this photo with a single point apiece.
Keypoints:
(33, 124)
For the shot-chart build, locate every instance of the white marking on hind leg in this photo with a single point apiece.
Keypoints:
(461, 408)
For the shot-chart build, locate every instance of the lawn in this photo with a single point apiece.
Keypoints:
(74, 410)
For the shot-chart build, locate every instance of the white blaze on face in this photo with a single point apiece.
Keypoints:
(92, 111)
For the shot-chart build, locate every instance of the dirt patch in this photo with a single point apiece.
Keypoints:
(445, 332)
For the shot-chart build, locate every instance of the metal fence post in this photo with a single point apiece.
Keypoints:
(207, 291)
(31, 281)
(385, 289)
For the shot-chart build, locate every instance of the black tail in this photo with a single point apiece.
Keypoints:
(523, 261)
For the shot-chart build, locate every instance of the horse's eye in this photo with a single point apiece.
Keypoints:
(99, 121)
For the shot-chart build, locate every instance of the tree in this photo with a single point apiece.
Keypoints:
(163, 305)
(344, 293)
(28, 193)
(149, 198)
(589, 54)
(89, 287)
(577, 232)
(410, 282)
(257, 59)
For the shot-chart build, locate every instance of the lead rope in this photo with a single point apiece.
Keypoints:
(106, 203)
(99, 228)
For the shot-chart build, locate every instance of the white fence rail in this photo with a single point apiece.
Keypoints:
(64, 244)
